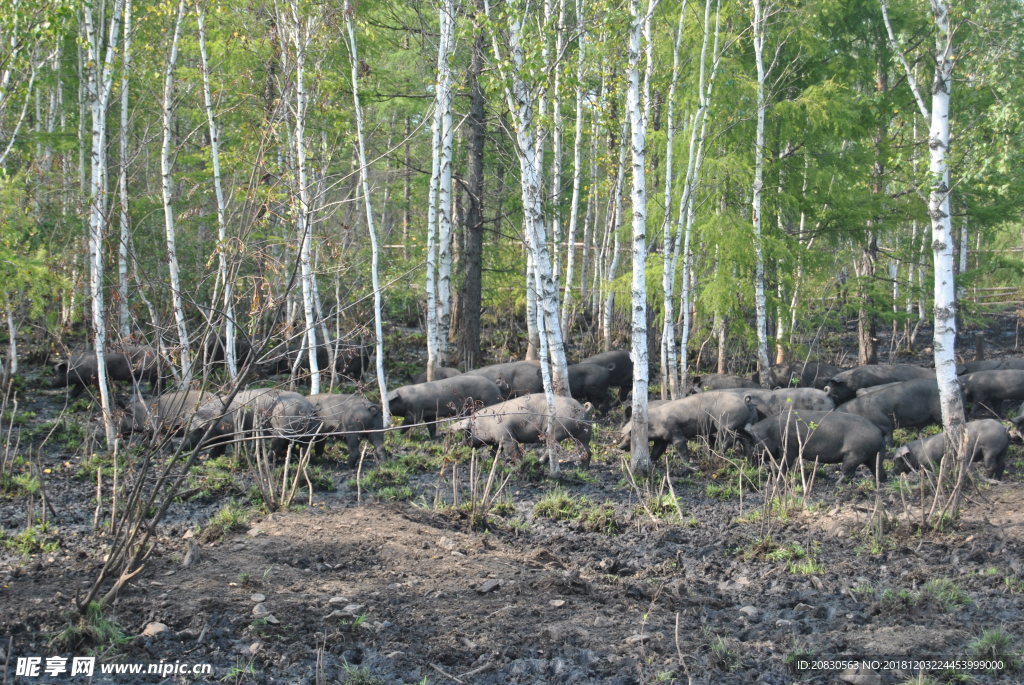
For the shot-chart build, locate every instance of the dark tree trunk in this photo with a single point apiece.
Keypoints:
(469, 300)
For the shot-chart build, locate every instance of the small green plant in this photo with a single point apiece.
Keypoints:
(894, 601)
(17, 419)
(530, 469)
(360, 675)
(799, 652)
(239, 673)
(30, 541)
(559, 505)
(89, 629)
(722, 655)
(663, 506)
(600, 518)
(392, 493)
(390, 475)
(995, 645)
(722, 491)
(19, 484)
(230, 518)
(946, 594)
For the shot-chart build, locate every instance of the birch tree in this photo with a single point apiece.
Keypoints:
(300, 30)
(520, 101)
(636, 104)
(167, 194)
(218, 191)
(681, 248)
(577, 167)
(368, 205)
(944, 294)
(439, 199)
(99, 75)
(124, 323)
(760, 305)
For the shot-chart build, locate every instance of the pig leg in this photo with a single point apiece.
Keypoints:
(352, 441)
(377, 439)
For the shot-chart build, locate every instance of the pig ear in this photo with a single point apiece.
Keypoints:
(1017, 420)
(61, 368)
(747, 428)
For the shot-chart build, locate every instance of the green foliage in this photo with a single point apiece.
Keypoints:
(996, 645)
(90, 629)
(559, 505)
(30, 541)
(230, 518)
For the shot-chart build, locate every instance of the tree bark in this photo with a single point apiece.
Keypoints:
(469, 311)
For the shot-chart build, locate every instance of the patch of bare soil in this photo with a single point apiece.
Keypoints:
(404, 592)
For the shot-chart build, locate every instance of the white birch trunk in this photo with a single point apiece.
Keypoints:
(551, 348)
(939, 210)
(640, 446)
(300, 37)
(444, 190)
(437, 135)
(556, 148)
(365, 185)
(167, 188)
(577, 163)
(687, 203)
(614, 224)
(218, 190)
(944, 341)
(669, 378)
(124, 321)
(755, 204)
(100, 74)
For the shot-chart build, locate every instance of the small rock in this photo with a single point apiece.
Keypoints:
(189, 534)
(802, 608)
(488, 586)
(260, 610)
(784, 623)
(255, 532)
(557, 603)
(640, 638)
(153, 628)
(860, 676)
(749, 610)
(818, 585)
(270, 618)
(257, 597)
(446, 543)
(338, 600)
(353, 610)
(252, 649)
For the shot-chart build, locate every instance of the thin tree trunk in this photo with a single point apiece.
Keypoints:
(688, 202)
(100, 74)
(124, 321)
(469, 312)
(300, 33)
(638, 116)
(759, 290)
(167, 188)
(444, 191)
(952, 469)
(365, 184)
(577, 163)
(222, 229)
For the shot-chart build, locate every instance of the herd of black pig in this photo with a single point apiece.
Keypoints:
(815, 410)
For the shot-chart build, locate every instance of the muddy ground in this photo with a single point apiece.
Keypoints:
(587, 579)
